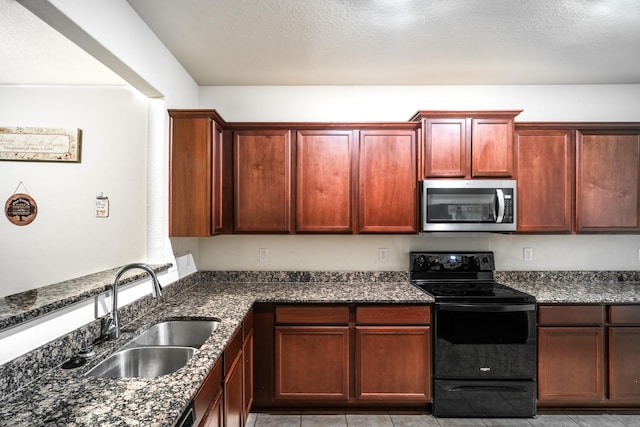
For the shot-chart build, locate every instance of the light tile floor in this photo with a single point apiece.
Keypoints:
(340, 419)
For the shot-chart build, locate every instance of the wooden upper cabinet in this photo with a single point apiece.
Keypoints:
(492, 147)
(388, 196)
(446, 148)
(195, 170)
(262, 181)
(545, 160)
(608, 181)
(324, 181)
(468, 144)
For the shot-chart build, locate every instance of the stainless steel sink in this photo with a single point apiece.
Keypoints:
(146, 362)
(186, 333)
(159, 350)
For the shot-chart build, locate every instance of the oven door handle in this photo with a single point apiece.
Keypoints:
(492, 308)
(487, 388)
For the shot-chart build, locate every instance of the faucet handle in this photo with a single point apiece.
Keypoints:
(109, 328)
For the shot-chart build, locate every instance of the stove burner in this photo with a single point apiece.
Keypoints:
(462, 276)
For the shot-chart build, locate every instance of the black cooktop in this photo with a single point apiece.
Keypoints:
(461, 277)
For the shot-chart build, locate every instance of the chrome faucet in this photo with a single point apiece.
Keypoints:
(111, 327)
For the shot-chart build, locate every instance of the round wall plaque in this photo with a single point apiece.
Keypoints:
(21, 209)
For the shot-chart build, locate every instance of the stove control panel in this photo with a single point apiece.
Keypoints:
(451, 261)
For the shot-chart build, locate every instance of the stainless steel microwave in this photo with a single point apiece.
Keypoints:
(468, 205)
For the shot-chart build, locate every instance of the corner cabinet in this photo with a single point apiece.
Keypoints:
(195, 173)
(467, 144)
(262, 181)
(588, 356)
(545, 174)
(388, 188)
(608, 181)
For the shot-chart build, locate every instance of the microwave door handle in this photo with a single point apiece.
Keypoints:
(500, 215)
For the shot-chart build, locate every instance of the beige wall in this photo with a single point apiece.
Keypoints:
(357, 103)
(66, 240)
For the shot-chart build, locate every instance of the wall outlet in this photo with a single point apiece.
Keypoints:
(383, 255)
(263, 254)
(527, 254)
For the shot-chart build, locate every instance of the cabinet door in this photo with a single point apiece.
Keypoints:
(545, 180)
(312, 362)
(216, 180)
(393, 363)
(492, 147)
(190, 176)
(324, 181)
(247, 356)
(388, 200)
(624, 364)
(447, 146)
(233, 399)
(214, 416)
(608, 181)
(570, 364)
(207, 402)
(262, 178)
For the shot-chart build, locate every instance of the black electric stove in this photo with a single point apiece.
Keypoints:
(484, 337)
(462, 277)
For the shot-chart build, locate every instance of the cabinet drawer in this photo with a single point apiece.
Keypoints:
(570, 314)
(393, 315)
(624, 314)
(312, 314)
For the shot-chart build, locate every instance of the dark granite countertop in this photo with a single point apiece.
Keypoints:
(67, 397)
(581, 293)
(28, 305)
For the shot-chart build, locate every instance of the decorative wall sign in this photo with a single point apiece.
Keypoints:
(21, 209)
(102, 206)
(40, 144)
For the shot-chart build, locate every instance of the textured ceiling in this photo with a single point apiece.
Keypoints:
(354, 42)
(33, 53)
(229, 42)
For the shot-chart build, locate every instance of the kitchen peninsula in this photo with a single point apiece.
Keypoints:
(66, 396)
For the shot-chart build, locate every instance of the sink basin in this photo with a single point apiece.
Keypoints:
(146, 362)
(186, 333)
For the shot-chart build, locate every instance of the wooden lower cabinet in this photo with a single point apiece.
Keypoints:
(624, 364)
(348, 356)
(247, 357)
(233, 385)
(571, 363)
(312, 362)
(392, 363)
(225, 397)
(207, 403)
(588, 356)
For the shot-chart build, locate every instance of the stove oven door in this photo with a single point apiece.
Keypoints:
(485, 341)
